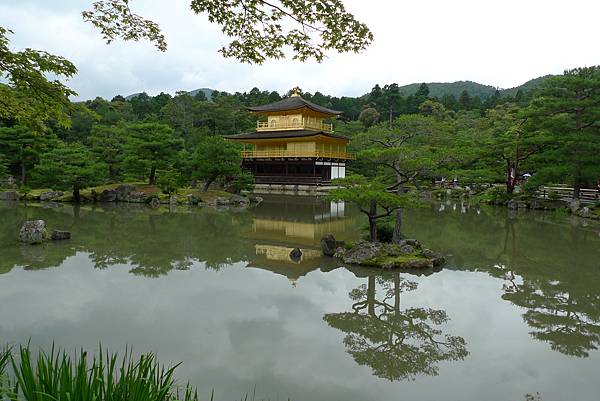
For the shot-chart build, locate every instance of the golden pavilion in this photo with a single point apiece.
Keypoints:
(293, 145)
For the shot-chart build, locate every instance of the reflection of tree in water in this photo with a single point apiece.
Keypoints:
(397, 344)
(563, 307)
(556, 313)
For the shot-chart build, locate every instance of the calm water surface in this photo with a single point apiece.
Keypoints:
(515, 311)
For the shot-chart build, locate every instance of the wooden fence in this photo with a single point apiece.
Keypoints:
(566, 194)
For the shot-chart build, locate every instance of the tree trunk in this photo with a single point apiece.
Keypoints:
(207, 184)
(111, 172)
(397, 227)
(510, 179)
(152, 179)
(76, 195)
(577, 189)
(23, 173)
(372, 221)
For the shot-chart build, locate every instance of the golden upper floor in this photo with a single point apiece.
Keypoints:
(294, 113)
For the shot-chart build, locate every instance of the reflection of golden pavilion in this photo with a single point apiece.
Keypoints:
(301, 224)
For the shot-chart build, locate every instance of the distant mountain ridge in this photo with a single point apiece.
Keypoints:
(436, 89)
(207, 92)
(439, 89)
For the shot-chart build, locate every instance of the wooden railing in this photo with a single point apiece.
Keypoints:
(269, 154)
(566, 194)
(273, 126)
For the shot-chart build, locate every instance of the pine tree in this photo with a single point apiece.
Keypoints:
(71, 167)
(150, 147)
(568, 107)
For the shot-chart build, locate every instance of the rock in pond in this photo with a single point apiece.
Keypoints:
(220, 201)
(329, 245)
(239, 200)
(50, 195)
(59, 235)
(255, 199)
(155, 203)
(33, 232)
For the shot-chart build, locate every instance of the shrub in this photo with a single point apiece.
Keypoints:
(244, 181)
(169, 181)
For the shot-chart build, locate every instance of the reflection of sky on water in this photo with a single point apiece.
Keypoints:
(237, 327)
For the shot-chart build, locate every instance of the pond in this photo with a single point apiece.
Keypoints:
(515, 311)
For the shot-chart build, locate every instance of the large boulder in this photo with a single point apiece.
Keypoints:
(329, 245)
(436, 258)
(407, 249)
(362, 253)
(136, 197)
(123, 192)
(33, 232)
(9, 196)
(50, 195)
(584, 212)
(255, 199)
(155, 202)
(239, 200)
(220, 201)
(108, 195)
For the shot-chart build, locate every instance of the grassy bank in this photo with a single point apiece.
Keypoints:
(150, 191)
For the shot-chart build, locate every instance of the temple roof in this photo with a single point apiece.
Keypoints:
(283, 134)
(292, 103)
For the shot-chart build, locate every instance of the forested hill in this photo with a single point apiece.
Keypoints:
(439, 89)
(436, 89)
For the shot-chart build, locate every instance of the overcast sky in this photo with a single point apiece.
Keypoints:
(500, 43)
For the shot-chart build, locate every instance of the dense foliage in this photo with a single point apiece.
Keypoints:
(403, 140)
(259, 30)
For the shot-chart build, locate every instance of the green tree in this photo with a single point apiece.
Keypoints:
(215, 158)
(3, 168)
(21, 148)
(169, 181)
(26, 94)
(414, 147)
(372, 199)
(69, 166)
(179, 113)
(260, 30)
(509, 143)
(369, 116)
(243, 181)
(464, 101)
(150, 147)
(108, 145)
(568, 107)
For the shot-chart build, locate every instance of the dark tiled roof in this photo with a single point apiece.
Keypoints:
(282, 134)
(293, 103)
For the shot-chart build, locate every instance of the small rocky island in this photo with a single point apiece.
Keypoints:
(407, 254)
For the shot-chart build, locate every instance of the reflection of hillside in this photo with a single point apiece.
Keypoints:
(152, 242)
(283, 223)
